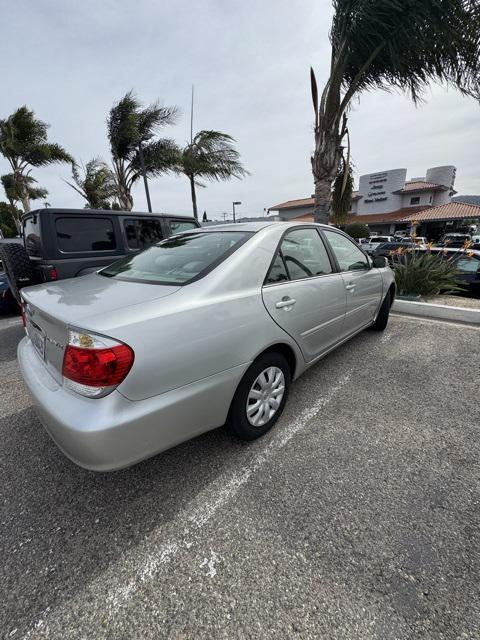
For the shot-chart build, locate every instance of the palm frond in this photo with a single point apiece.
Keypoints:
(212, 156)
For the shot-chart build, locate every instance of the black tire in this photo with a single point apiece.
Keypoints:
(381, 322)
(18, 267)
(238, 422)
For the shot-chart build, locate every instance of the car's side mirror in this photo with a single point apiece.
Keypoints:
(379, 262)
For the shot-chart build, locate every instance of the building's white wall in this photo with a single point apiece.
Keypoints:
(441, 197)
(377, 188)
(426, 199)
(442, 175)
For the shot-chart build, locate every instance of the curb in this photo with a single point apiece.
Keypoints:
(437, 311)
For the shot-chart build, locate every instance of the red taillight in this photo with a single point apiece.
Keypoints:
(97, 367)
(53, 274)
(94, 365)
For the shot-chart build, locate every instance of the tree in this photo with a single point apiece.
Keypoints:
(210, 156)
(96, 184)
(16, 186)
(204, 219)
(23, 142)
(9, 217)
(385, 44)
(129, 125)
(357, 230)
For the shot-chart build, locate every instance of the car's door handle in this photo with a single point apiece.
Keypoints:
(285, 302)
(350, 287)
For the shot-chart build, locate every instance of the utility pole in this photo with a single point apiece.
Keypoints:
(144, 173)
(191, 116)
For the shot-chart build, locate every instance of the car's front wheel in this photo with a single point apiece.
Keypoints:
(260, 397)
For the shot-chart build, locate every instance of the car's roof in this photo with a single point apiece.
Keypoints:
(109, 212)
(256, 226)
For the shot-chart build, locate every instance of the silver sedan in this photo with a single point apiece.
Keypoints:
(204, 329)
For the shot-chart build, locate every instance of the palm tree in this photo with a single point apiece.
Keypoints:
(129, 125)
(23, 142)
(210, 156)
(19, 186)
(385, 44)
(97, 184)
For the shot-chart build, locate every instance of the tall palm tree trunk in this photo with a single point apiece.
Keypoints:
(194, 196)
(26, 203)
(325, 163)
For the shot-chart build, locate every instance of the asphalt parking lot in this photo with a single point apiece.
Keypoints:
(356, 517)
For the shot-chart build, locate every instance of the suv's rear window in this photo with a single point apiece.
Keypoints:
(78, 235)
(179, 259)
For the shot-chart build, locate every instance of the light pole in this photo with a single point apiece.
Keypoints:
(234, 203)
(142, 164)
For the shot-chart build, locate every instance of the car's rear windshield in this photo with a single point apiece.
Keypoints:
(179, 259)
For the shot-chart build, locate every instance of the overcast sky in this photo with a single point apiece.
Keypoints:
(249, 61)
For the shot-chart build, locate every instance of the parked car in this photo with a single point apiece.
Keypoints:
(420, 241)
(374, 242)
(387, 248)
(205, 328)
(65, 243)
(454, 240)
(467, 264)
(7, 302)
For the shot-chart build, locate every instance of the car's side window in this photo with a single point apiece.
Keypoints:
(467, 265)
(142, 232)
(348, 255)
(278, 272)
(302, 255)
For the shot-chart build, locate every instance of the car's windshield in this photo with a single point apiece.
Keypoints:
(179, 259)
(379, 239)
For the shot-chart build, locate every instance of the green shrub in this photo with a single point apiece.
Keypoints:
(424, 274)
(357, 230)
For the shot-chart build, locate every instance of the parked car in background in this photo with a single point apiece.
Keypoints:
(7, 301)
(420, 241)
(467, 264)
(454, 240)
(66, 243)
(374, 242)
(387, 249)
(205, 328)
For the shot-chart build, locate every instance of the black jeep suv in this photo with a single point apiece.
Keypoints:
(65, 243)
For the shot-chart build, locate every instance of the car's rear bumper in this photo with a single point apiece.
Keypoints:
(109, 433)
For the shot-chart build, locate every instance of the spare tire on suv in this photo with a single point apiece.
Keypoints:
(18, 268)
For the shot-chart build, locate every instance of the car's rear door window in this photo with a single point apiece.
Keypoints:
(83, 234)
(347, 253)
(304, 254)
(142, 232)
(179, 259)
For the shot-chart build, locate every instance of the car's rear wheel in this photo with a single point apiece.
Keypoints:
(260, 397)
(381, 322)
(18, 268)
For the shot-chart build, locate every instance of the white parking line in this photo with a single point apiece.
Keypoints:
(199, 512)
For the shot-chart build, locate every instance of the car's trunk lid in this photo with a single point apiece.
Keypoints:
(51, 308)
